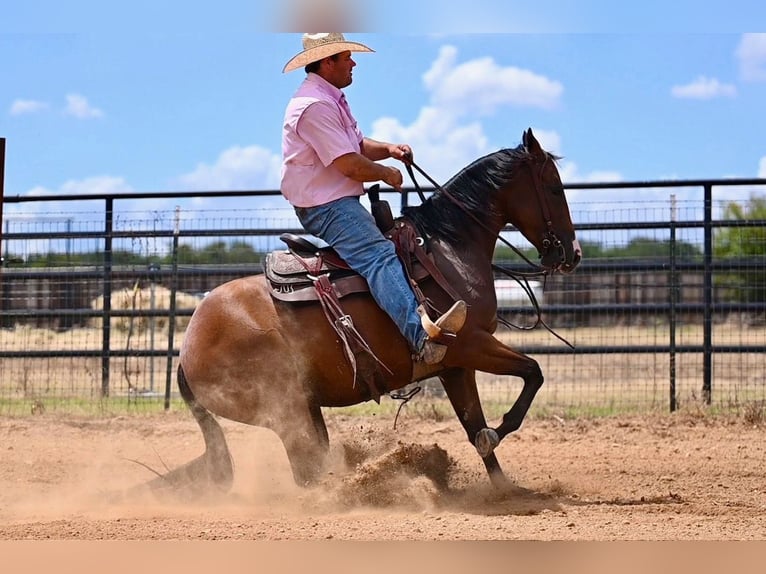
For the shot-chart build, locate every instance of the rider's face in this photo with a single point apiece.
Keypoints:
(339, 70)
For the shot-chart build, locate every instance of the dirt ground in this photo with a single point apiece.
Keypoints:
(657, 477)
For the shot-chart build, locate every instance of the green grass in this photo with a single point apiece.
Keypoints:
(438, 409)
(87, 407)
(420, 407)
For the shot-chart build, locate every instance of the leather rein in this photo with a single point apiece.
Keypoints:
(550, 240)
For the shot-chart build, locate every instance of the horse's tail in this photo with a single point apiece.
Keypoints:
(214, 466)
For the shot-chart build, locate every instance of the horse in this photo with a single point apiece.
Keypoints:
(253, 359)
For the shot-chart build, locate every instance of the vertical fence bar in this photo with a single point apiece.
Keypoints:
(2, 188)
(6, 320)
(172, 309)
(106, 327)
(673, 294)
(707, 297)
(2, 200)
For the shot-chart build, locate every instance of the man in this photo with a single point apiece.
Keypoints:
(325, 162)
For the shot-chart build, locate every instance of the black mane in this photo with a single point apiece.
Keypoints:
(474, 187)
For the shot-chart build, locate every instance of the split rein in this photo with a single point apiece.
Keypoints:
(521, 277)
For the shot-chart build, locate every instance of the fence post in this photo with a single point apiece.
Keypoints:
(2, 189)
(2, 200)
(172, 307)
(673, 294)
(707, 297)
(106, 327)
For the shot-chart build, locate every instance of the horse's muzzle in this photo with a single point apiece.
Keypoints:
(562, 256)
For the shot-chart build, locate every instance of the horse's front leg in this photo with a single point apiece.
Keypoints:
(460, 386)
(489, 355)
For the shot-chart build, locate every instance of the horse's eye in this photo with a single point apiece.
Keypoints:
(556, 189)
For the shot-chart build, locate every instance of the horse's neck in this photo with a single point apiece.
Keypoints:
(465, 264)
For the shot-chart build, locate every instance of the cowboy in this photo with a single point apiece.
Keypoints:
(325, 162)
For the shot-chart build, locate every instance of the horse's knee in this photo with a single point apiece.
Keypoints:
(220, 467)
(534, 376)
(306, 450)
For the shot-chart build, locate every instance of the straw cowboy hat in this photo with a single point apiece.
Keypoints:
(317, 46)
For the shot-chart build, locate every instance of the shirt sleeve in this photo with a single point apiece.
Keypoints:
(321, 126)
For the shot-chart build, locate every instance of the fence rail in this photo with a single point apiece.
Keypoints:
(674, 316)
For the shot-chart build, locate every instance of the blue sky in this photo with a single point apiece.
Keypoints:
(96, 97)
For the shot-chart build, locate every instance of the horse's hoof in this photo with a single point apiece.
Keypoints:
(486, 441)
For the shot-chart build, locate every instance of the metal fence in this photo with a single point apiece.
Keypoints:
(651, 332)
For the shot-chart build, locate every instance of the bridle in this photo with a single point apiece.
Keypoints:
(549, 241)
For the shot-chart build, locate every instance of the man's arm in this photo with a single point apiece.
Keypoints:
(375, 150)
(360, 168)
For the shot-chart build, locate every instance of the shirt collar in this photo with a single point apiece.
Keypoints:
(325, 86)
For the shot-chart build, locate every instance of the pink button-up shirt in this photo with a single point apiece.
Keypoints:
(318, 128)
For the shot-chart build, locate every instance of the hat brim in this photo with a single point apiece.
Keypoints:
(324, 51)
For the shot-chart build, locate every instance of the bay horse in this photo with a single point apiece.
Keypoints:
(253, 359)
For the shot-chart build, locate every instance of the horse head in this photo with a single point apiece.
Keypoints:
(541, 213)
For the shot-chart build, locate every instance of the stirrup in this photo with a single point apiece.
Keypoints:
(432, 353)
(446, 326)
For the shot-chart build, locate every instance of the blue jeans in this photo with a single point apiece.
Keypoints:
(347, 226)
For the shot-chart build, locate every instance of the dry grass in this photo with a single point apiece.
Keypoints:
(155, 297)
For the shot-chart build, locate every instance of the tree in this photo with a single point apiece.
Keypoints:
(745, 244)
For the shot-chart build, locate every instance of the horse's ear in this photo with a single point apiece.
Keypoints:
(531, 143)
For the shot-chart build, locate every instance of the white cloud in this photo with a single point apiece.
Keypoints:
(21, 107)
(751, 53)
(246, 168)
(54, 212)
(441, 145)
(88, 186)
(78, 107)
(481, 85)
(762, 167)
(704, 88)
(446, 135)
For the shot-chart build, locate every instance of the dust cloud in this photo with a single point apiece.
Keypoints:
(105, 476)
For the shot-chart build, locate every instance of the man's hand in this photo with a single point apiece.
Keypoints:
(393, 178)
(402, 152)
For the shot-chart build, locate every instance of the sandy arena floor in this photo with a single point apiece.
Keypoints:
(681, 477)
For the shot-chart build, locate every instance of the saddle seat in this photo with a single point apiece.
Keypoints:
(291, 273)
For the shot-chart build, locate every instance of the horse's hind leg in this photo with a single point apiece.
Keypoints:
(304, 436)
(214, 466)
